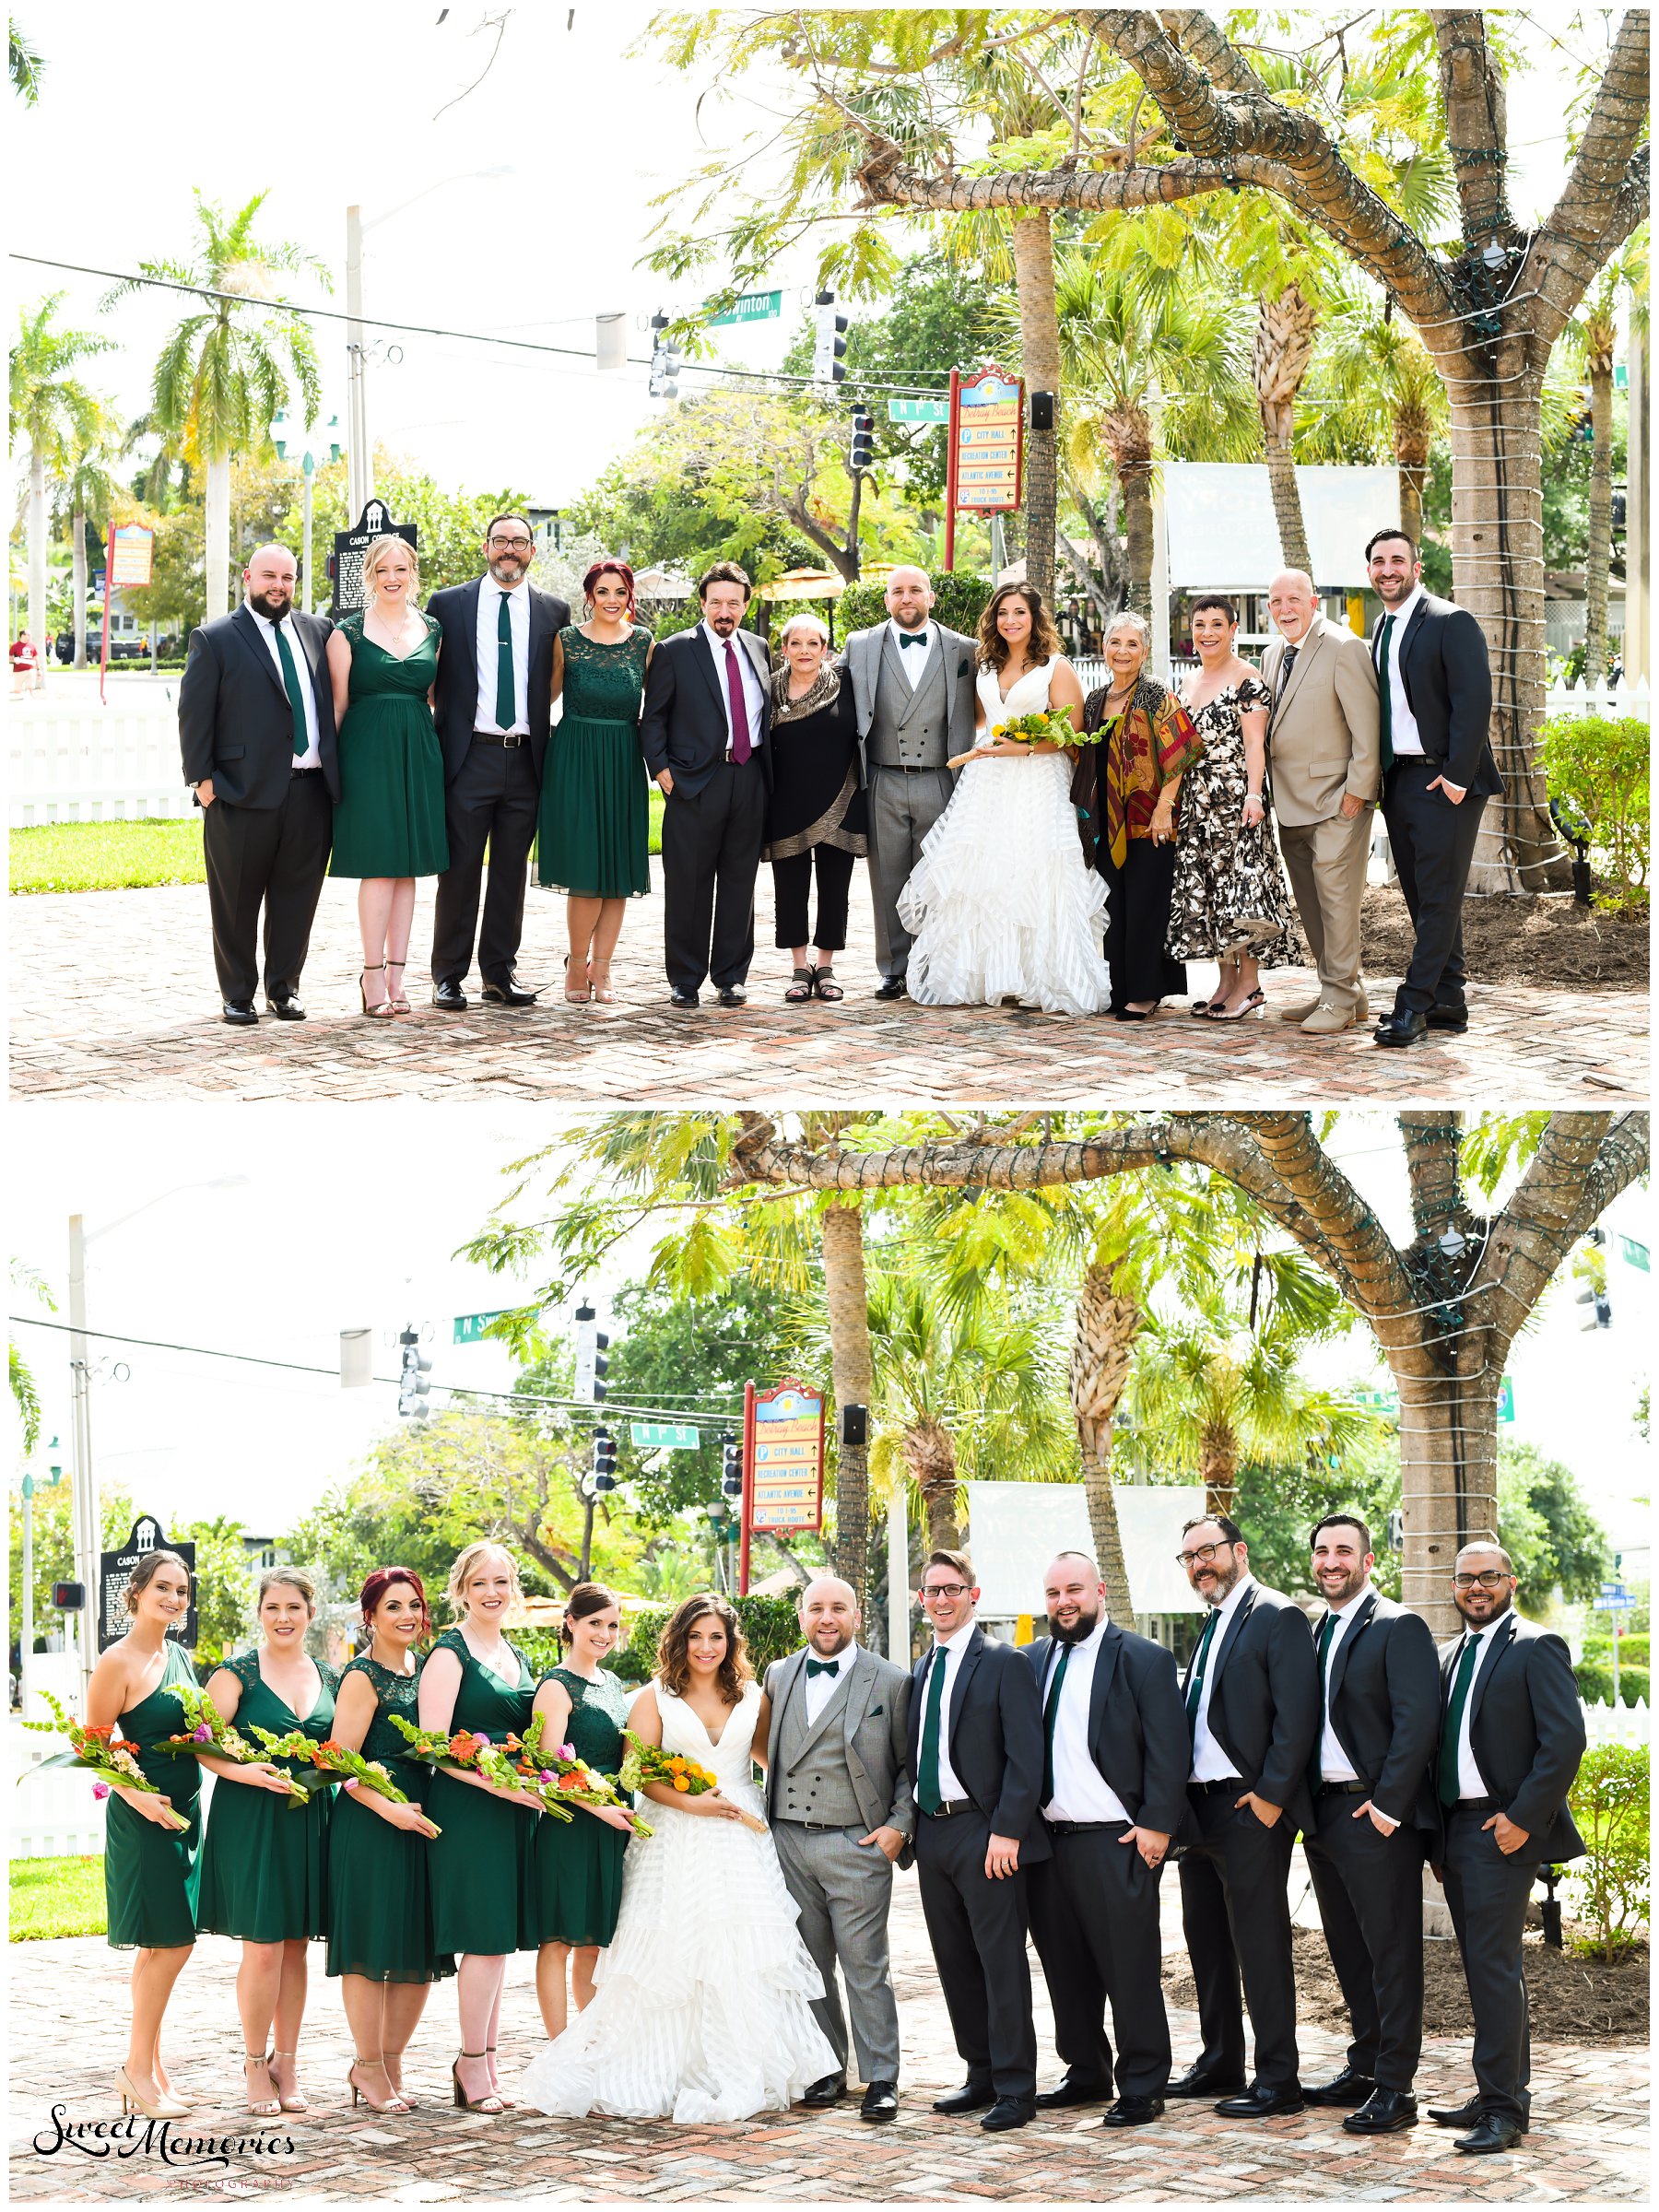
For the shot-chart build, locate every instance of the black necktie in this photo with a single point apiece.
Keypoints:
(1285, 667)
(1451, 1786)
(1327, 1630)
(822, 1667)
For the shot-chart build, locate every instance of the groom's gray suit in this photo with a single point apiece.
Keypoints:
(906, 734)
(827, 1785)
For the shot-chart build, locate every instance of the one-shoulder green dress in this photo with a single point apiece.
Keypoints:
(592, 834)
(390, 819)
(483, 1864)
(380, 1895)
(151, 1874)
(265, 1863)
(579, 1867)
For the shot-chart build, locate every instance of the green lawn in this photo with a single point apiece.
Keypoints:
(56, 1897)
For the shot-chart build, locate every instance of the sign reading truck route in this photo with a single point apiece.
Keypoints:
(782, 1462)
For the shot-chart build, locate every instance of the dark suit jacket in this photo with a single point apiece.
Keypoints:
(683, 725)
(1264, 1707)
(1385, 1707)
(1527, 1730)
(1137, 1730)
(995, 1738)
(235, 722)
(1448, 679)
(455, 703)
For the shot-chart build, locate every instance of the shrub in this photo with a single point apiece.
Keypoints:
(1599, 769)
(1609, 1801)
(958, 602)
(1595, 1682)
(770, 1629)
(1632, 1651)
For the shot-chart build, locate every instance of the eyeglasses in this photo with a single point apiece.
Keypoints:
(945, 1590)
(511, 545)
(1493, 1579)
(1201, 1553)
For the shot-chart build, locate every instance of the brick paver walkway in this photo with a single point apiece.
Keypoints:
(112, 997)
(1589, 2142)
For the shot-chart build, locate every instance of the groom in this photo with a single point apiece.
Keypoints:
(838, 1802)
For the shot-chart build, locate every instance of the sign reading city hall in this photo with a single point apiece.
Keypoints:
(345, 569)
(115, 1571)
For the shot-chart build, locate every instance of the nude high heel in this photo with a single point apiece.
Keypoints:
(391, 2104)
(296, 2104)
(488, 2102)
(167, 2108)
(263, 2107)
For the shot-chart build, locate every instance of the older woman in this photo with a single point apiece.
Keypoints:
(1126, 790)
(816, 816)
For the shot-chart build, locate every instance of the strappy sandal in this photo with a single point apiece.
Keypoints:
(603, 993)
(382, 1011)
(397, 2088)
(1256, 1000)
(801, 990)
(573, 998)
(398, 1004)
(394, 2103)
(826, 986)
(507, 2103)
(296, 2104)
(490, 2103)
(262, 2108)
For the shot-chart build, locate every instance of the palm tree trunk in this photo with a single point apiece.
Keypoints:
(1284, 346)
(78, 576)
(1040, 350)
(1601, 519)
(1107, 1327)
(37, 553)
(930, 1455)
(1219, 1470)
(1413, 437)
(1139, 536)
(847, 1298)
(216, 536)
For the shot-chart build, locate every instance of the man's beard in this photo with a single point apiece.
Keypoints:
(1081, 1630)
(1497, 1613)
(272, 611)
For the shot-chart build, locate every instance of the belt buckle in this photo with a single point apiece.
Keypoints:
(511, 741)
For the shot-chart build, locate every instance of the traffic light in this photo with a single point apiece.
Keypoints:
(731, 1466)
(604, 1460)
(664, 362)
(69, 1597)
(591, 1363)
(862, 454)
(1620, 511)
(412, 1401)
(830, 349)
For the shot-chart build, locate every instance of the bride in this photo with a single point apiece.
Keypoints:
(1002, 902)
(701, 2005)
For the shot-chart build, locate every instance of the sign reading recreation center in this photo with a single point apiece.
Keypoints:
(785, 1454)
(115, 1571)
(752, 307)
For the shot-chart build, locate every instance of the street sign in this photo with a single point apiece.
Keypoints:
(1614, 1598)
(1633, 1254)
(753, 307)
(986, 462)
(132, 555)
(784, 1461)
(664, 1436)
(470, 1328)
(115, 1571)
(349, 548)
(918, 410)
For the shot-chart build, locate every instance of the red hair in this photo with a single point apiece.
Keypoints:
(608, 566)
(376, 1587)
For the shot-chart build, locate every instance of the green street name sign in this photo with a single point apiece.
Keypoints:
(664, 1436)
(470, 1327)
(753, 307)
(918, 410)
(1633, 1254)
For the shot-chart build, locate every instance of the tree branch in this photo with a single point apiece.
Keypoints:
(1602, 170)
(1433, 1144)
(1583, 1162)
(1477, 119)
(1202, 37)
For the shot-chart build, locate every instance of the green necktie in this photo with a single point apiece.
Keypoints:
(505, 710)
(1450, 1788)
(1385, 695)
(290, 684)
(1326, 1637)
(927, 1779)
(1194, 1688)
(1050, 1715)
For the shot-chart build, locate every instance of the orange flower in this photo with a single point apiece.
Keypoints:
(680, 1782)
(677, 1766)
(570, 1781)
(461, 1747)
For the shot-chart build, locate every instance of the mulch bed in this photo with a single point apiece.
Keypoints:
(1572, 2000)
(1521, 940)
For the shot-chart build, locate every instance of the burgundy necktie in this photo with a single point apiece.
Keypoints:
(740, 736)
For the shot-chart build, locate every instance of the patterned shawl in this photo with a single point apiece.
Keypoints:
(1150, 744)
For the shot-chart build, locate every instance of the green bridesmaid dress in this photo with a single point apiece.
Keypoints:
(151, 1874)
(592, 838)
(390, 818)
(483, 1864)
(579, 1867)
(264, 1864)
(380, 1895)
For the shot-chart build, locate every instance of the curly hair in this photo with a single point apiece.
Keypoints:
(673, 1662)
(993, 646)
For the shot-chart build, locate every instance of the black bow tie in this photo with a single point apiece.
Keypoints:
(912, 636)
(822, 1667)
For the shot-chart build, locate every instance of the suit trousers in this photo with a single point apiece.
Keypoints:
(1326, 862)
(792, 879)
(1487, 1895)
(274, 857)
(1432, 842)
(1370, 1888)
(844, 1890)
(491, 802)
(977, 1928)
(1235, 1909)
(1137, 922)
(904, 805)
(1094, 1921)
(712, 844)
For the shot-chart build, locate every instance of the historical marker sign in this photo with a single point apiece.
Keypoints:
(349, 548)
(115, 1571)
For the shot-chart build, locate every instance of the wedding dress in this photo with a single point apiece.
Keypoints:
(701, 2009)
(1002, 903)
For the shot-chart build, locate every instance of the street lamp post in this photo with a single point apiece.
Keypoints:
(308, 469)
(26, 1596)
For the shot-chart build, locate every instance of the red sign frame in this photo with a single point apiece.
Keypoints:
(131, 533)
(752, 1399)
(958, 385)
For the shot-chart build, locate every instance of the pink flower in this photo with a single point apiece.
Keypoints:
(547, 1775)
(101, 1790)
(567, 1750)
(203, 1734)
(479, 1737)
(352, 1782)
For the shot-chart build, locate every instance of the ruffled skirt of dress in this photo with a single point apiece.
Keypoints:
(701, 2008)
(1001, 902)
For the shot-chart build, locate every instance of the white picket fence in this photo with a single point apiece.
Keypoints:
(1617, 1724)
(54, 1816)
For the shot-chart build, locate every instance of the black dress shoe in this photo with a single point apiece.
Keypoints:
(965, 2099)
(1346, 2088)
(1262, 2104)
(1196, 2082)
(287, 1008)
(1493, 2133)
(880, 2103)
(1401, 1028)
(509, 993)
(828, 2090)
(1132, 2112)
(240, 1013)
(891, 986)
(1382, 2113)
(1010, 2111)
(682, 998)
(732, 995)
(1073, 2089)
(449, 997)
(1455, 1019)
(1458, 2115)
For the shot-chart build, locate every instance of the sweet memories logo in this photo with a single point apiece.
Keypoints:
(133, 2138)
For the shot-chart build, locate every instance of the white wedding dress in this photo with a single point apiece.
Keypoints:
(1002, 903)
(701, 2009)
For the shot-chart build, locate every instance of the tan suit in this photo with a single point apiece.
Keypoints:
(1322, 744)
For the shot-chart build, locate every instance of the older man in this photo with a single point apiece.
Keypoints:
(838, 1800)
(1321, 753)
(912, 687)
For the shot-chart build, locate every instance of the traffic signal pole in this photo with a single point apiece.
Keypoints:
(748, 1488)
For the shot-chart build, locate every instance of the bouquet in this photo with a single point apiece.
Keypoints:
(96, 1751)
(649, 1762)
(332, 1761)
(471, 1752)
(1052, 726)
(209, 1730)
(572, 1778)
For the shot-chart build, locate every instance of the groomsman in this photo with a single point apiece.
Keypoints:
(1113, 1794)
(1251, 1699)
(975, 1759)
(1374, 1821)
(1512, 1737)
(838, 1802)
(493, 707)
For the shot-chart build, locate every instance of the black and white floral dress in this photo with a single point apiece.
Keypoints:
(1230, 895)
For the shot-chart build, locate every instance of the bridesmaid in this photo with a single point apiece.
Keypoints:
(150, 1870)
(578, 1867)
(483, 1864)
(379, 1910)
(263, 1863)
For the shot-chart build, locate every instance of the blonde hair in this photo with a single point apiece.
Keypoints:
(295, 1578)
(460, 1574)
(377, 552)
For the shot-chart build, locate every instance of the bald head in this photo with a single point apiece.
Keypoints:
(910, 597)
(270, 580)
(828, 1612)
(1293, 603)
(1072, 1595)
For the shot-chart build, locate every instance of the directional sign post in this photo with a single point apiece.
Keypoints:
(783, 1463)
(986, 469)
(664, 1436)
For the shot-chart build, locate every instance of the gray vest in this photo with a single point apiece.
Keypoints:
(909, 728)
(813, 1781)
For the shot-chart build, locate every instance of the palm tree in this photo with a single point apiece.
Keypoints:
(87, 494)
(1286, 326)
(26, 65)
(1591, 338)
(219, 377)
(54, 414)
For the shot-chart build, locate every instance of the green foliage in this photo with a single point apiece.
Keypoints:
(1632, 1650)
(1599, 769)
(958, 602)
(1595, 1679)
(224, 1590)
(1548, 1529)
(1277, 1503)
(106, 856)
(57, 1897)
(54, 1546)
(770, 1630)
(1610, 1802)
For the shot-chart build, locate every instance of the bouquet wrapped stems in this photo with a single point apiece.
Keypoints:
(333, 1762)
(95, 1751)
(649, 1762)
(467, 1752)
(560, 1769)
(210, 1733)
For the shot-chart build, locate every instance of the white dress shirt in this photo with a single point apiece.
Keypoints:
(913, 664)
(1403, 732)
(490, 596)
(310, 757)
(1334, 1762)
(947, 1653)
(1210, 1762)
(754, 692)
(1471, 1782)
(1081, 1791)
(820, 1688)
